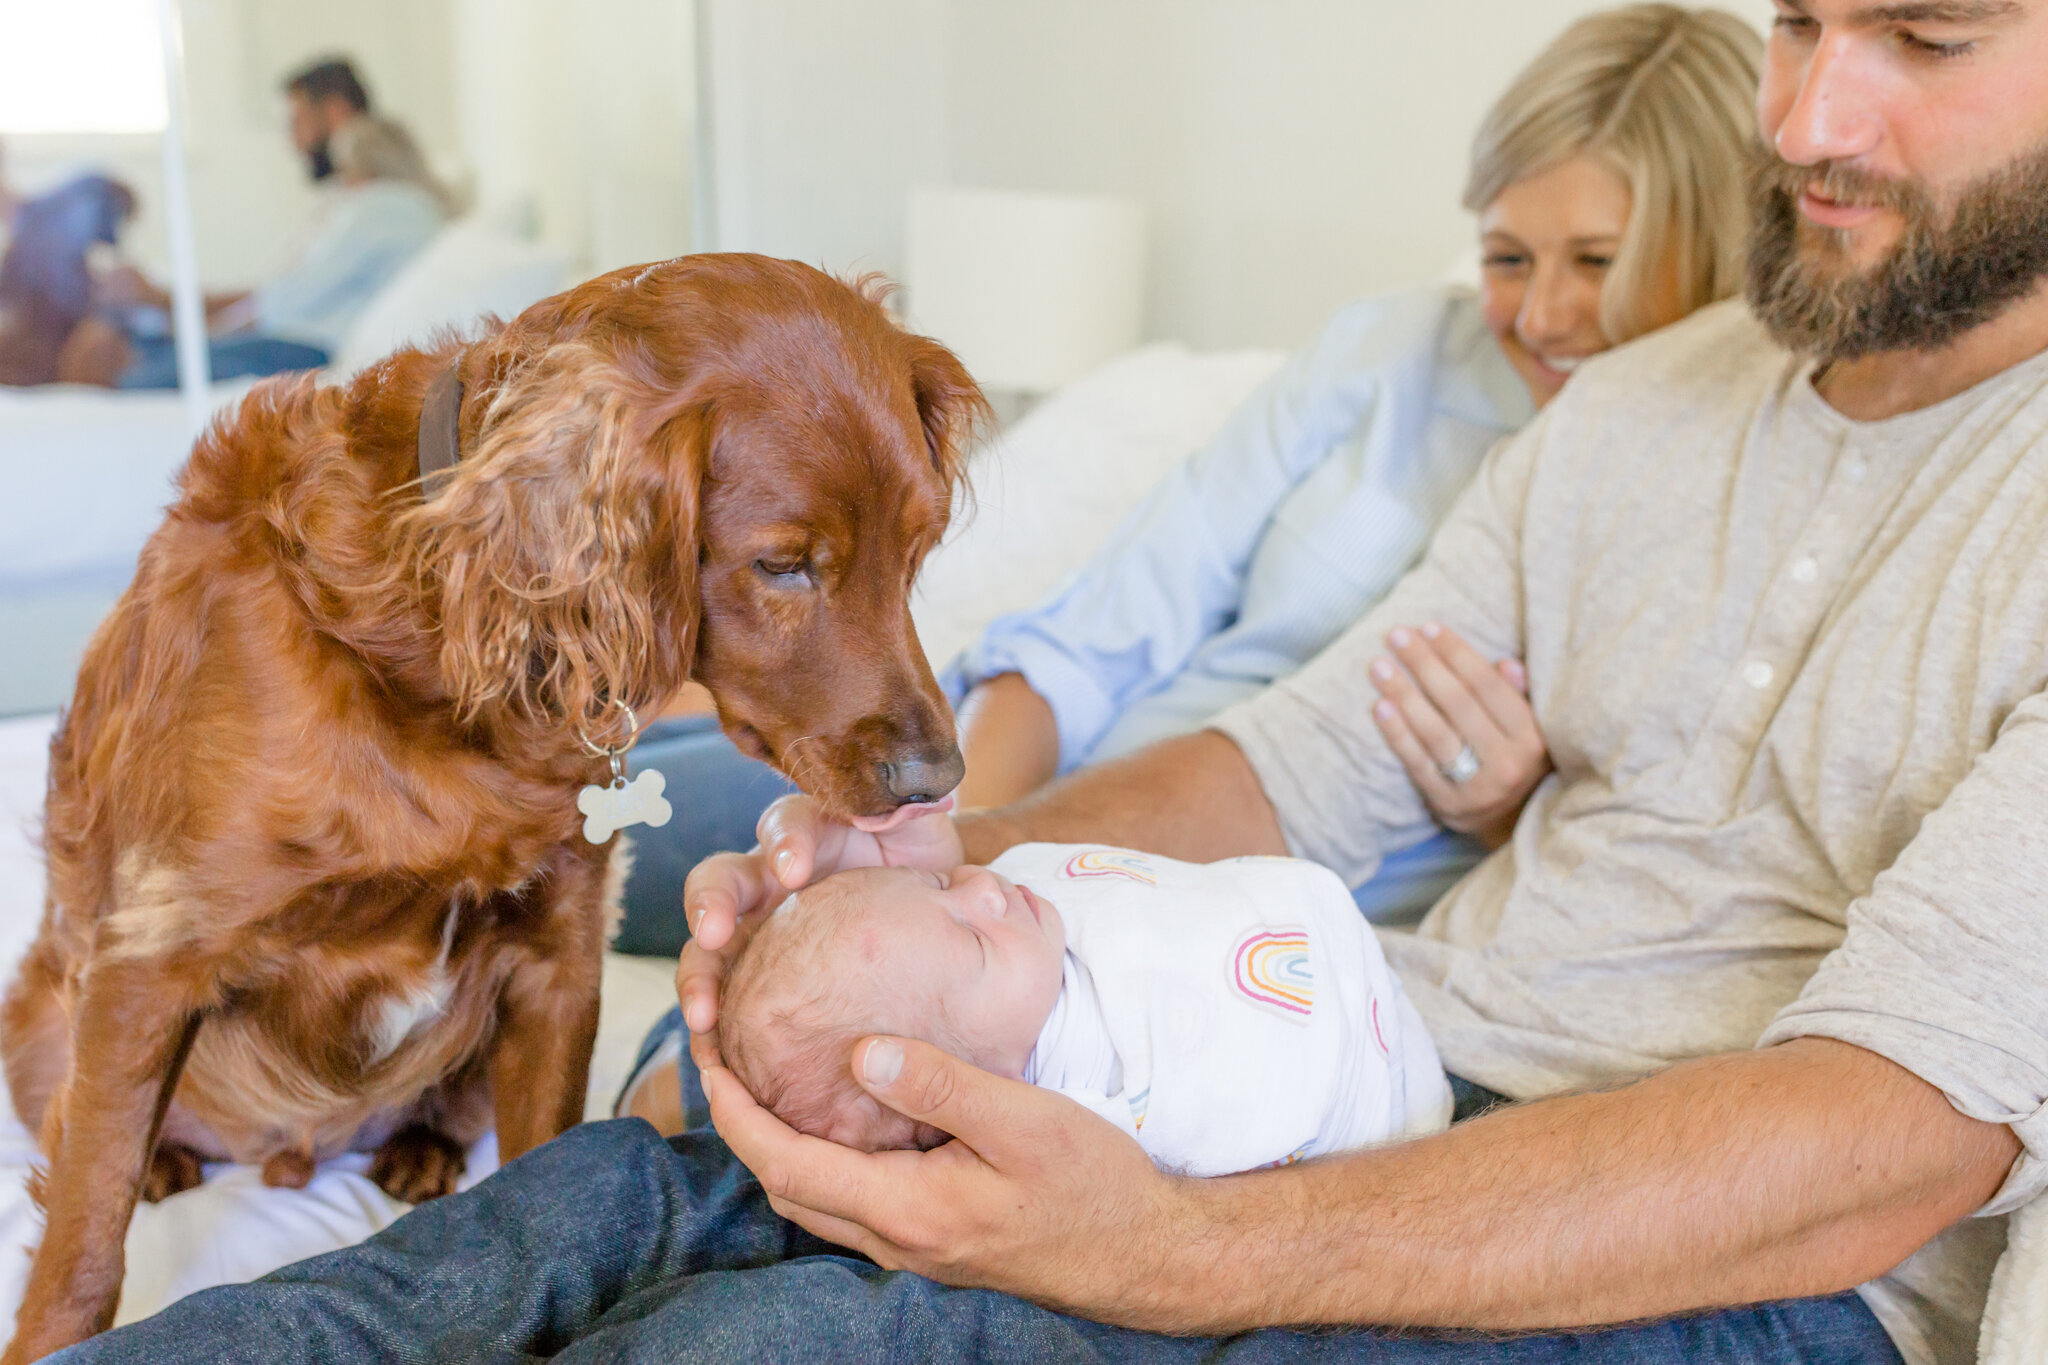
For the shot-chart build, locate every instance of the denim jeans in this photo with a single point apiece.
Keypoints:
(154, 364)
(609, 1246)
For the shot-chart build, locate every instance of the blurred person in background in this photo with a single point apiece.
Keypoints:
(46, 283)
(325, 97)
(384, 205)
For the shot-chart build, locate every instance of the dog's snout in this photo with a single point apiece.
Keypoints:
(924, 777)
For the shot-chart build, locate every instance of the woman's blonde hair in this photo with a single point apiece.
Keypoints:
(372, 148)
(1667, 97)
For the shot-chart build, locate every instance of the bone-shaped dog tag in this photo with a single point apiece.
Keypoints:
(607, 810)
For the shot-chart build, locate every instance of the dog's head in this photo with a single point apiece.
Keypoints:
(726, 468)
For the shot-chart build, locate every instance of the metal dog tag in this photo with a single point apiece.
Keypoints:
(607, 810)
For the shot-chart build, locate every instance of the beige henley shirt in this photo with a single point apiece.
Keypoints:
(1790, 667)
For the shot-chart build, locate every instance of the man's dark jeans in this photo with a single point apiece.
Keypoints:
(612, 1245)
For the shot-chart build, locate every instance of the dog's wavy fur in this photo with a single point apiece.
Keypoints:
(316, 876)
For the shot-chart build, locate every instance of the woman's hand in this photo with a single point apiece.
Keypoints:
(1442, 699)
(728, 894)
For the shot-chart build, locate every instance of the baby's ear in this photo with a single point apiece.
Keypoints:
(865, 1124)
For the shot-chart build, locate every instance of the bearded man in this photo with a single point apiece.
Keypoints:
(1762, 964)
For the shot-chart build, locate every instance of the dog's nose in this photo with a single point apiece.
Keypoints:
(924, 777)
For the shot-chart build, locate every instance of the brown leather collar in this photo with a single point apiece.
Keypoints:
(440, 442)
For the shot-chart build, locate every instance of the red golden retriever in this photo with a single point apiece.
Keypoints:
(317, 875)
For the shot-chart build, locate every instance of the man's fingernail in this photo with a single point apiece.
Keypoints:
(784, 861)
(1432, 630)
(883, 1062)
(1399, 637)
(1382, 669)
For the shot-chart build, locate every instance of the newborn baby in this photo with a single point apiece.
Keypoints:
(1227, 1015)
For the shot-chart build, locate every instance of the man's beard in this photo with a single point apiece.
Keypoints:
(1938, 281)
(319, 163)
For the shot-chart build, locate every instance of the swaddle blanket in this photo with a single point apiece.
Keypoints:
(1227, 1015)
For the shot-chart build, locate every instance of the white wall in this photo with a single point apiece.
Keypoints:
(584, 110)
(824, 115)
(1294, 153)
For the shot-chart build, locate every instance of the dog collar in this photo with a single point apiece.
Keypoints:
(440, 440)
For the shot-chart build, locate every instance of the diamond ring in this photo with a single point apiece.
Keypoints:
(1463, 768)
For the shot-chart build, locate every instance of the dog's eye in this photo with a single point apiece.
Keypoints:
(784, 573)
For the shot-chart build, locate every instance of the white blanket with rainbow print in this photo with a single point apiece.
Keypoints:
(1227, 1015)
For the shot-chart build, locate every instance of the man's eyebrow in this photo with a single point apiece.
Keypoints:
(1933, 12)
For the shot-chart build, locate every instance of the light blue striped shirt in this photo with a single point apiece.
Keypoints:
(1256, 551)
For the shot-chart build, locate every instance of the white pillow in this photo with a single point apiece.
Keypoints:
(469, 269)
(1052, 487)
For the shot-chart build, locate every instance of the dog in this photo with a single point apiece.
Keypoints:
(317, 872)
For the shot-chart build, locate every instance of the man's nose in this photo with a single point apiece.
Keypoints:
(923, 776)
(1831, 116)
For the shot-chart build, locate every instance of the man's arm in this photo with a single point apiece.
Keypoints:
(1797, 1170)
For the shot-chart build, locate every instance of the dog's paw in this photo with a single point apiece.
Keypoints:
(173, 1169)
(417, 1164)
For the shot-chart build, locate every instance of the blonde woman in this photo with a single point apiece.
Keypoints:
(1608, 184)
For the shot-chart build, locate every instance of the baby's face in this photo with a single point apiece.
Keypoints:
(979, 956)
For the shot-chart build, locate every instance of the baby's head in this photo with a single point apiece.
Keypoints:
(964, 960)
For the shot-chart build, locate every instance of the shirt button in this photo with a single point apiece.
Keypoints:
(1855, 470)
(1805, 569)
(1758, 674)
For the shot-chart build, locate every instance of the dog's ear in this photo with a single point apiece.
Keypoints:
(564, 548)
(950, 406)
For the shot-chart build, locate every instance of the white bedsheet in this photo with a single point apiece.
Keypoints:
(232, 1227)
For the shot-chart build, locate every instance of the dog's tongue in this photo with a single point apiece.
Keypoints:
(901, 816)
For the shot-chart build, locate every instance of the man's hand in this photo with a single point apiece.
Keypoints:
(728, 893)
(1034, 1196)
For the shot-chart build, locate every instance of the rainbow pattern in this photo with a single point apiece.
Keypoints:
(1297, 1154)
(1139, 1103)
(1109, 862)
(1271, 968)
